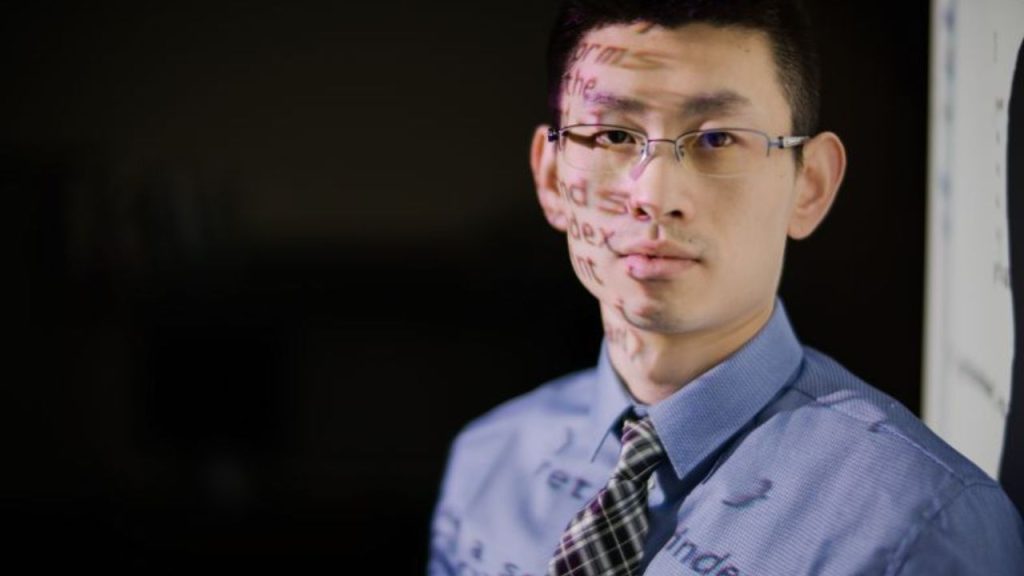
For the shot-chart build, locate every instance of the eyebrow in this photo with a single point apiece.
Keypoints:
(720, 102)
(615, 102)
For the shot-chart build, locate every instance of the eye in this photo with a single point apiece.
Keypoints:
(716, 139)
(614, 138)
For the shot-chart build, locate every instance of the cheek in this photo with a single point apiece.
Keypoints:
(591, 208)
(590, 233)
(750, 223)
(587, 268)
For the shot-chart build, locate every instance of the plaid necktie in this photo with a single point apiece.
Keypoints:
(606, 537)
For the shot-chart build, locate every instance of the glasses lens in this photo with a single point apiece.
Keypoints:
(723, 152)
(601, 148)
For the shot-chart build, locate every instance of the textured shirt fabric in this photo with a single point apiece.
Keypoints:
(780, 462)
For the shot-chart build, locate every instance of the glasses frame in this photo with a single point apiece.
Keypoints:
(780, 142)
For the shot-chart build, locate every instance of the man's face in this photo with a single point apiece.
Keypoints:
(664, 249)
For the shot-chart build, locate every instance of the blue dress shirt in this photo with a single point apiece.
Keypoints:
(780, 462)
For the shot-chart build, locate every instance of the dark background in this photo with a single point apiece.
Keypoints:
(271, 256)
(1011, 471)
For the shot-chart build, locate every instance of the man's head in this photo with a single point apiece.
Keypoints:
(677, 205)
(783, 22)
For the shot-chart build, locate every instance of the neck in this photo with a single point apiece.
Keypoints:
(655, 365)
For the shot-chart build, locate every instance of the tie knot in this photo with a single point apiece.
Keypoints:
(641, 450)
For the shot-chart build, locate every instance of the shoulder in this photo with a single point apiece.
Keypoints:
(834, 476)
(870, 459)
(853, 441)
(526, 422)
(862, 416)
(562, 398)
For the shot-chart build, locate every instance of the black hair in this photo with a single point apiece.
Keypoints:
(783, 21)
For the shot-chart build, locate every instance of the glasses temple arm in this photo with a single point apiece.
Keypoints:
(789, 141)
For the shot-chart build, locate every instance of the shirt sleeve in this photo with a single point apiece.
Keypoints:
(977, 532)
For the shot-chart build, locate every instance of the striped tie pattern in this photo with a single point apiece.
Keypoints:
(606, 537)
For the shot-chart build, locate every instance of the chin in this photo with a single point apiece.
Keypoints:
(655, 317)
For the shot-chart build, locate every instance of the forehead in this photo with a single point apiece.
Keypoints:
(692, 70)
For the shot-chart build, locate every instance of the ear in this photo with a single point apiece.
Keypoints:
(545, 178)
(818, 179)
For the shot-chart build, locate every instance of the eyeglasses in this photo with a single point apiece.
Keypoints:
(610, 149)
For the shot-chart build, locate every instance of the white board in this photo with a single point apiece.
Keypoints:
(969, 319)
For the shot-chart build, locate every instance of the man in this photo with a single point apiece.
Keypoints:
(681, 157)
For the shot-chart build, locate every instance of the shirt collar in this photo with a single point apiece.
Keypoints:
(695, 421)
(611, 402)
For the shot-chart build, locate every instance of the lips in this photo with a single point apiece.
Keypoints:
(651, 261)
(641, 267)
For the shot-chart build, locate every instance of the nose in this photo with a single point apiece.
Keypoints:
(660, 192)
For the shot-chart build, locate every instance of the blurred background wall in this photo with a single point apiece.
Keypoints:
(271, 256)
